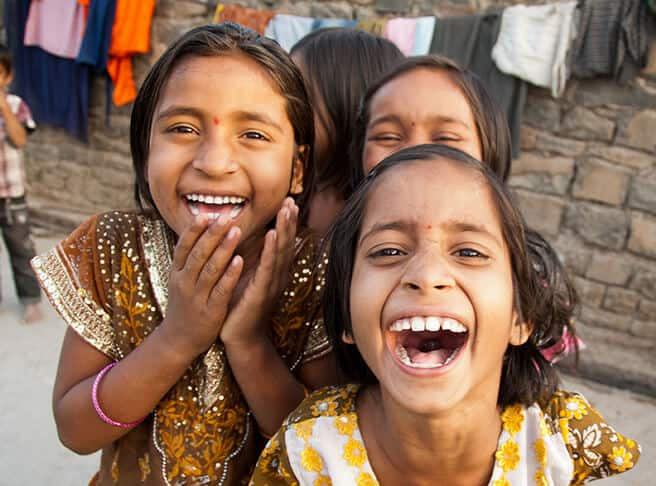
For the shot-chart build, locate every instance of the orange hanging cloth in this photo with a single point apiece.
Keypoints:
(248, 17)
(130, 35)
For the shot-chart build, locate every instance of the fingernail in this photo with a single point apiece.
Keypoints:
(233, 232)
(223, 220)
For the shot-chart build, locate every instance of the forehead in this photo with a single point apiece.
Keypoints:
(422, 91)
(432, 192)
(231, 76)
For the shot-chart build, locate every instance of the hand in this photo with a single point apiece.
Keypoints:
(202, 281)
(247, 322)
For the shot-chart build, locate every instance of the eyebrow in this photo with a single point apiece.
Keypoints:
(177, 110)
(259, 117)
(451, 226)
(393, 118)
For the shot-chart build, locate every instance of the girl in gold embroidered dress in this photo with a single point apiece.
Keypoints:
(206, 299)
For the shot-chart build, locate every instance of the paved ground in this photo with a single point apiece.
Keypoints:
(30, 452)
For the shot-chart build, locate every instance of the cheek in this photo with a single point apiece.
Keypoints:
(371, 157)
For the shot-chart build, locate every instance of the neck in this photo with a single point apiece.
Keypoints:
(452, 448)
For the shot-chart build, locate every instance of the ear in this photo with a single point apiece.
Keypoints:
(520, 331)
(347, 338)
(296, 186)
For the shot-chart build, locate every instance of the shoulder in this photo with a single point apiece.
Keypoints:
(329, 401)
(596, 448)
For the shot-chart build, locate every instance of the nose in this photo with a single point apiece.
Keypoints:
(216, 156)
(428, 271)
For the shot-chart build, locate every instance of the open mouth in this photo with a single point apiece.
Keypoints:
(214, 206)
(427, 342)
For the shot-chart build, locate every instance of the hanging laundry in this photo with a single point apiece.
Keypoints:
(248, 17)
(55, 88)
(130, 36)
(373, 26)
(467, 41)
(534, 41)
(97, 37)
(333, 24)
(401, 31)
(424, 31)
(288, 29)
(613, 39)
(56, 26)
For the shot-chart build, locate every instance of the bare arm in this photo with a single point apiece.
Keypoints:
(202, 280)
(14, 128)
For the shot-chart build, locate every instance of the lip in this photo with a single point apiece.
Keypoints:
(426, 372)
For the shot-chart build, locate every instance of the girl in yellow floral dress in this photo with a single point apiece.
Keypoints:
(437, 311)
(195, 324)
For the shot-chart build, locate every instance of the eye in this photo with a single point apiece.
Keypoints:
(444, 138)
(183, 129)
(470, 253)
(253, 135)
(386, 252)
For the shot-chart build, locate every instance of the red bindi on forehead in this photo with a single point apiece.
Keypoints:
(216, 120)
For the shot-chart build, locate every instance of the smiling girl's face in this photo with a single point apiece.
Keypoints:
(222, 143)
(432, 290)
(421, 106)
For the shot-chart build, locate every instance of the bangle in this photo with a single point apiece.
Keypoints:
(96, 405)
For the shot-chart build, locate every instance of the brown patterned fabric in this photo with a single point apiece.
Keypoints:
(109, 281)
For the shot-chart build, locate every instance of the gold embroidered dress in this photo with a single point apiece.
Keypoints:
(109, 281)
(566, 442)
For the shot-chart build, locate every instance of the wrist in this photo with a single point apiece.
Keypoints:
(177, 347)
(247, 344)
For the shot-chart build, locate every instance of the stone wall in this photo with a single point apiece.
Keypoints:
(586, 178)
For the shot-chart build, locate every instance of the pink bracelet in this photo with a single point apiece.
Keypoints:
(96, 405)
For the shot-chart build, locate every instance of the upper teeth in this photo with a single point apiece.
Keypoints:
(431, 323)
(208, 199)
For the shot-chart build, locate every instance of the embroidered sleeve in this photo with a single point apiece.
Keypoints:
(273, 468)
(318, 344)
(69, 275)
(597, 449)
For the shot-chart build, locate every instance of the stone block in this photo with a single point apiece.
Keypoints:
(180, 9)
(640, 131)
(621, 155)
(528, 138)
(599, 225)
(645, 329)
(593, 316)
(541, 112)
(604, 92)
(391, 6)
(541, 212)
(573, 253)
(597, 180)
(610, 268)
(620, 300)
(644, 281)
(642, 194)
(643, 234)
(650, 68)
(556, 144)
(585, 124)
(544, 174)
(647, 310)
(340, 10)
(591, 293)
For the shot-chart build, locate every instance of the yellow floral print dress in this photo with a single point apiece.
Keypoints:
(565, 442)
(109, 281)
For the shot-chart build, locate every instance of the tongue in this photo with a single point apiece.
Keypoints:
(435, 357)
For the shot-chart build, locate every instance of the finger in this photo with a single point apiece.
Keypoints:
(222, 292)
(216, 264)
(265, 269)
(187, 241)
(286, 232)
(205, 246)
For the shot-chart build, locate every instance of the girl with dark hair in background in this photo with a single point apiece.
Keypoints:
(435, 306)
(338, 66)
(195, 323)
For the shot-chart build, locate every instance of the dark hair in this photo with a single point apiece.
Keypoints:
(216, 40)
(340, 64)
(5, 58)
(526, 375)
(490, 120)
